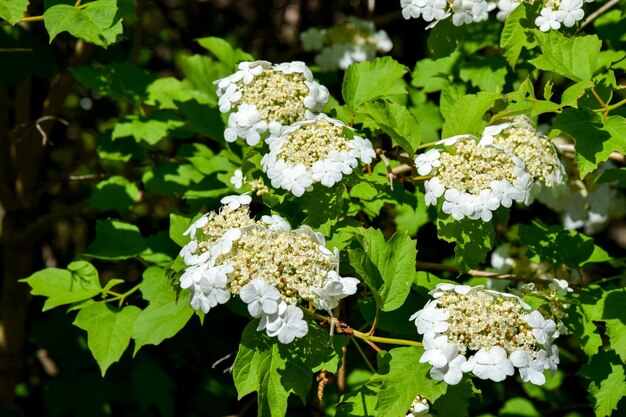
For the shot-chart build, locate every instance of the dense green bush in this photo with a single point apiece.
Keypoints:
(406, 231)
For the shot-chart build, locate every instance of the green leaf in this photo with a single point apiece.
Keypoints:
(523, 101)
(108, 331)
(115, 193)
(115, 240)
(580, 319)
(444, 38)
(203, 119)
(617, 175)
(607, 374)
(13, 10)
(455, 402)
(558, 245)
(486, 73)
(78, 282)
(467, 116)
(167, 312)
(275, 371)
(474, 239)
(574, 58)
(387, 267)
(224, 52)
(122, 80)
(97, 22)
(573, 93)
(360, 402)
(396, 121)
(160, 249)
(403, 378)
(200, 72)
(370, 80)
(519, 407)
(178, 225)
(170, 178)
(170, 93)
(611, 311)
(594, 140)
(434, 74)
(150, 129)
(514, 37)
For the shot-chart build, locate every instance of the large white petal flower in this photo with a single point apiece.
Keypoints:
(335, 288)
(492, 364)
(531, 370)
(288, 325)
(362, 149)
(198, 224)
(236, 200)
(211, 289)
(426, 162)
(438, 352)
(431, 319)
(543, 329)
(261, 297)
(548, 19)
(452, 373)
(225, 243)
(276, 223)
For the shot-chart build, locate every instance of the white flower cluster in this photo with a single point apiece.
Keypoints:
(271, 267)
(586, 203)
(263, 97)
(539, 155)
(282, 104)
(318, 150)
(553, 14)
(470, 329)
(473, 179)
(356, 40)
(419, 408)
(557, 12)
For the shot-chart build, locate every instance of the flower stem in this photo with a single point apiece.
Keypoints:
(31, 19)
(387, 340)
(121, 297)
(367, 361)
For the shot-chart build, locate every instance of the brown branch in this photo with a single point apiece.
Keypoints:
(597, 13)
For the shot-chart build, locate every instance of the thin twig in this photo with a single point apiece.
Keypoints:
(613, 156)
(597, 13)
(477, 273)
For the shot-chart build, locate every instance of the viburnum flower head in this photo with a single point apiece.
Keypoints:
(321, 150)
(554, 13)
(269, 266)
(473, 179)
(471, 329)
(354, 40)
(540, 157)
(264, 97)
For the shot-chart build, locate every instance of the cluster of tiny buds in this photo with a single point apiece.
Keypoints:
(472, 179)
(419, 408)
(318, 150)
(552, 15)
(355, 40)
(471, 329)
(263, 97)
(539, 155)
(271, 267)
